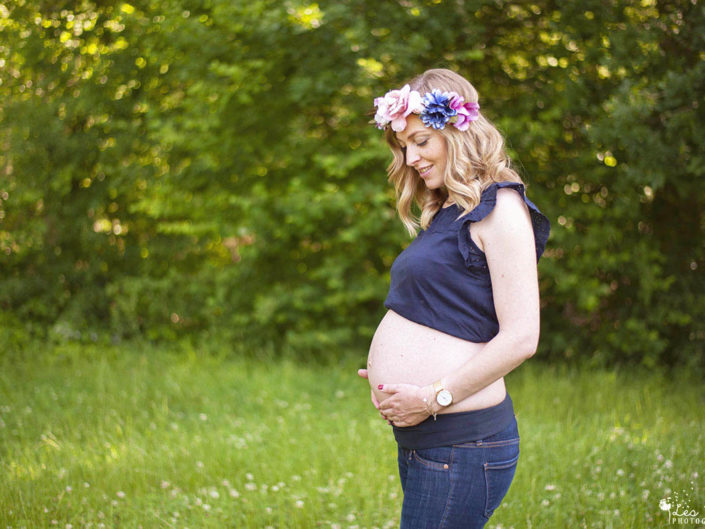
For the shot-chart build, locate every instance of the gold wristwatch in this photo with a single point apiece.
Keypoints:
(443, 396)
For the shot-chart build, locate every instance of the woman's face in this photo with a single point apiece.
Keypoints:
(425, 150)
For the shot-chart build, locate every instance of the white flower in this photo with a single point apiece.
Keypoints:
(234, 493)
(299, 504)
(120, 494)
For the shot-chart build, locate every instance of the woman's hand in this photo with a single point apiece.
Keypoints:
(408, 404)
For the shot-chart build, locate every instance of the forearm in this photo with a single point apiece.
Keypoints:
(500, 356)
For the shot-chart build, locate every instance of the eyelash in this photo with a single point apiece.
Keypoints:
(418, 145)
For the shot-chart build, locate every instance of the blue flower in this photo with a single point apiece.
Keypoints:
(437, 111)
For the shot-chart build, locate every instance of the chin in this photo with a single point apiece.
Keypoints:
(433, 185)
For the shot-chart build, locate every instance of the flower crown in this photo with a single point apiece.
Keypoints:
(435, 109)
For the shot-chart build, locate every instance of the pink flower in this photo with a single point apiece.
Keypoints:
(467, 112)
(456, 102)
(395, 106)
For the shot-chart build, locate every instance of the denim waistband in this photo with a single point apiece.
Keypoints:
(455, 428)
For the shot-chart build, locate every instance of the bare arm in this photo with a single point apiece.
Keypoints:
(508, 242)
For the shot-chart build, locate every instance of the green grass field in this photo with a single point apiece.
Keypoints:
(134, 436)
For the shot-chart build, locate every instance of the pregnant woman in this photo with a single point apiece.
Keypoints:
(463, 304)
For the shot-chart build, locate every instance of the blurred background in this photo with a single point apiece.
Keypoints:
(205, 170)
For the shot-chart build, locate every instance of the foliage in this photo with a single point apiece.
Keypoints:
(182, 166)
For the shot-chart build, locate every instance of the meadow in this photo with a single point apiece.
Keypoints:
(142, 436)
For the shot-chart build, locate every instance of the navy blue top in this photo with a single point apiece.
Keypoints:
(441, 280)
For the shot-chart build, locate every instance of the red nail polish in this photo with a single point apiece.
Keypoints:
(380, 386)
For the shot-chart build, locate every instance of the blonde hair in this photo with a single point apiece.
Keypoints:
(476, 159)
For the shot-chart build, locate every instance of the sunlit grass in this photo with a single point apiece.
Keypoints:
(137, 436)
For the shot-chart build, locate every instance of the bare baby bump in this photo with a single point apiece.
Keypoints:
(403, 351)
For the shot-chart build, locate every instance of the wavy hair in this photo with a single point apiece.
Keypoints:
(476, 159)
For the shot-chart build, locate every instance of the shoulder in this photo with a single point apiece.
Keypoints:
(507, 205)
(505, 212)
(508, 219)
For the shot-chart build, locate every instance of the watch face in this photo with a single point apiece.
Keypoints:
(444, 398)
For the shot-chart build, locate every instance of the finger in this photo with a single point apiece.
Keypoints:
(389, 388)
(362, 373)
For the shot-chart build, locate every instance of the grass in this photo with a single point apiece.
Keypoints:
(135, 436)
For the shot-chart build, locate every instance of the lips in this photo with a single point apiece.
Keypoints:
(424, 171)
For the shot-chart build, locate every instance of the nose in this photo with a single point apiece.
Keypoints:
(412, 155)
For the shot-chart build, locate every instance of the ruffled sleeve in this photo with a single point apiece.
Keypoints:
(475, 257)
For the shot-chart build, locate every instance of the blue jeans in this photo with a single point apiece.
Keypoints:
(458, 486)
